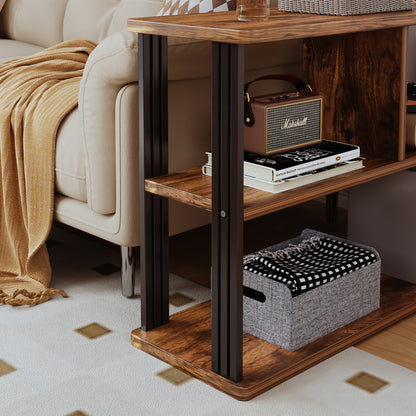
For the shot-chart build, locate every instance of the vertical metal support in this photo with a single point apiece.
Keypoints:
(153, 159)
(227, 209)
(128, 269)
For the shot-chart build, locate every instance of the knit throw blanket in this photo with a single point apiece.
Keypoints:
(311, 263)
(35, 95)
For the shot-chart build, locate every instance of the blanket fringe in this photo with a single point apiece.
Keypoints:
(284, 253)
(23, 297)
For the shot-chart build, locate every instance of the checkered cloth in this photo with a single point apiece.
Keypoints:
(172, 7)
(312, 263)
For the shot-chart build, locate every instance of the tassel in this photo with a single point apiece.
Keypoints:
(284, 253)
(23, 297)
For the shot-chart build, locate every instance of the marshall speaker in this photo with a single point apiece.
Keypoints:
(283, 121)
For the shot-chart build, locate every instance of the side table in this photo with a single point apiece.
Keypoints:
(342, 60)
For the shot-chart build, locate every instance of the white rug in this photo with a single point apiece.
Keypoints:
(54, 370)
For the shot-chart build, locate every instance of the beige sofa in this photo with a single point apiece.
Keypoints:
(97, 144)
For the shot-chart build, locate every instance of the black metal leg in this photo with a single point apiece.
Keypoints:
(154, 259)
(227, 209)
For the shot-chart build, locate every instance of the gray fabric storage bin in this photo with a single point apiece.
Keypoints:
(344, 7)
(292, 322)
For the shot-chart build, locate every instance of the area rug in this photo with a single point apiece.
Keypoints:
(73, 357)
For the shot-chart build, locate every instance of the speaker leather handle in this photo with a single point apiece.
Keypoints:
(298, 83)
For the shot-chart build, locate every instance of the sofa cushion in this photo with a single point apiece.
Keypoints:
(37, 22)
(10, 49)
(92, 23)
(101, 18)
(132, 8)
(70, 158)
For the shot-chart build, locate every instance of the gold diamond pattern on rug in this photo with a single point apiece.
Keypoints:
(367, 382)
(106, 269)
(5, 368)
(178, 299)
(78, 413)
(93, 330)
(174, 376)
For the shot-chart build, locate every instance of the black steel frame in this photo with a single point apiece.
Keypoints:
(153, 157)
(227, 209)
(227, 197)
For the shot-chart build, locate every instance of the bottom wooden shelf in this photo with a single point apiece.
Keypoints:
(185, 343)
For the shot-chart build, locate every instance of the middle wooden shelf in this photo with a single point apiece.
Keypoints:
(191, 187)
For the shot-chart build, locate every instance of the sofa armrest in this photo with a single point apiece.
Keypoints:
(113, 64)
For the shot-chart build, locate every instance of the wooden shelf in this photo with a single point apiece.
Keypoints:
(361, 73)
(193, 188)
(224, 26)
(185, 343)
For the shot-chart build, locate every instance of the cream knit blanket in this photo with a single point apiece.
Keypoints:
(35, 95)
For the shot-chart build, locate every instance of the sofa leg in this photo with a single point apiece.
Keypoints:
(128, 267)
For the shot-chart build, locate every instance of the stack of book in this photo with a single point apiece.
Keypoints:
(280, 172)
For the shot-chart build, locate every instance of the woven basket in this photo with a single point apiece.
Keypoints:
(344, 7)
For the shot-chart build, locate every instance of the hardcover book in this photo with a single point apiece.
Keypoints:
(298, 161)
(298, 180)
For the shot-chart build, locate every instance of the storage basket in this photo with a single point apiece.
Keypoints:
(292, 318)
(344, 7)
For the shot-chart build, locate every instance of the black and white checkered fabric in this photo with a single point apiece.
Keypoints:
(312, 263)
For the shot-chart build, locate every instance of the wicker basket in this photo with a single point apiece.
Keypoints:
(344, 7)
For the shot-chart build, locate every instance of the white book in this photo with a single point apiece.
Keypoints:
(298, 180)
(302, 160)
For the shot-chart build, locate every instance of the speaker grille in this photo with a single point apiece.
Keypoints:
(293, 124)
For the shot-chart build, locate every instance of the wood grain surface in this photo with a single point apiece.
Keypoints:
(192, 187)
(224, 26)
(185, 343)
(362, 105)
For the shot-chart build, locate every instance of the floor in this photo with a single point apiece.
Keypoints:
(396, 343)
(73, 356)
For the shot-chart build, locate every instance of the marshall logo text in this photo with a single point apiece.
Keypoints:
(290, 124)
